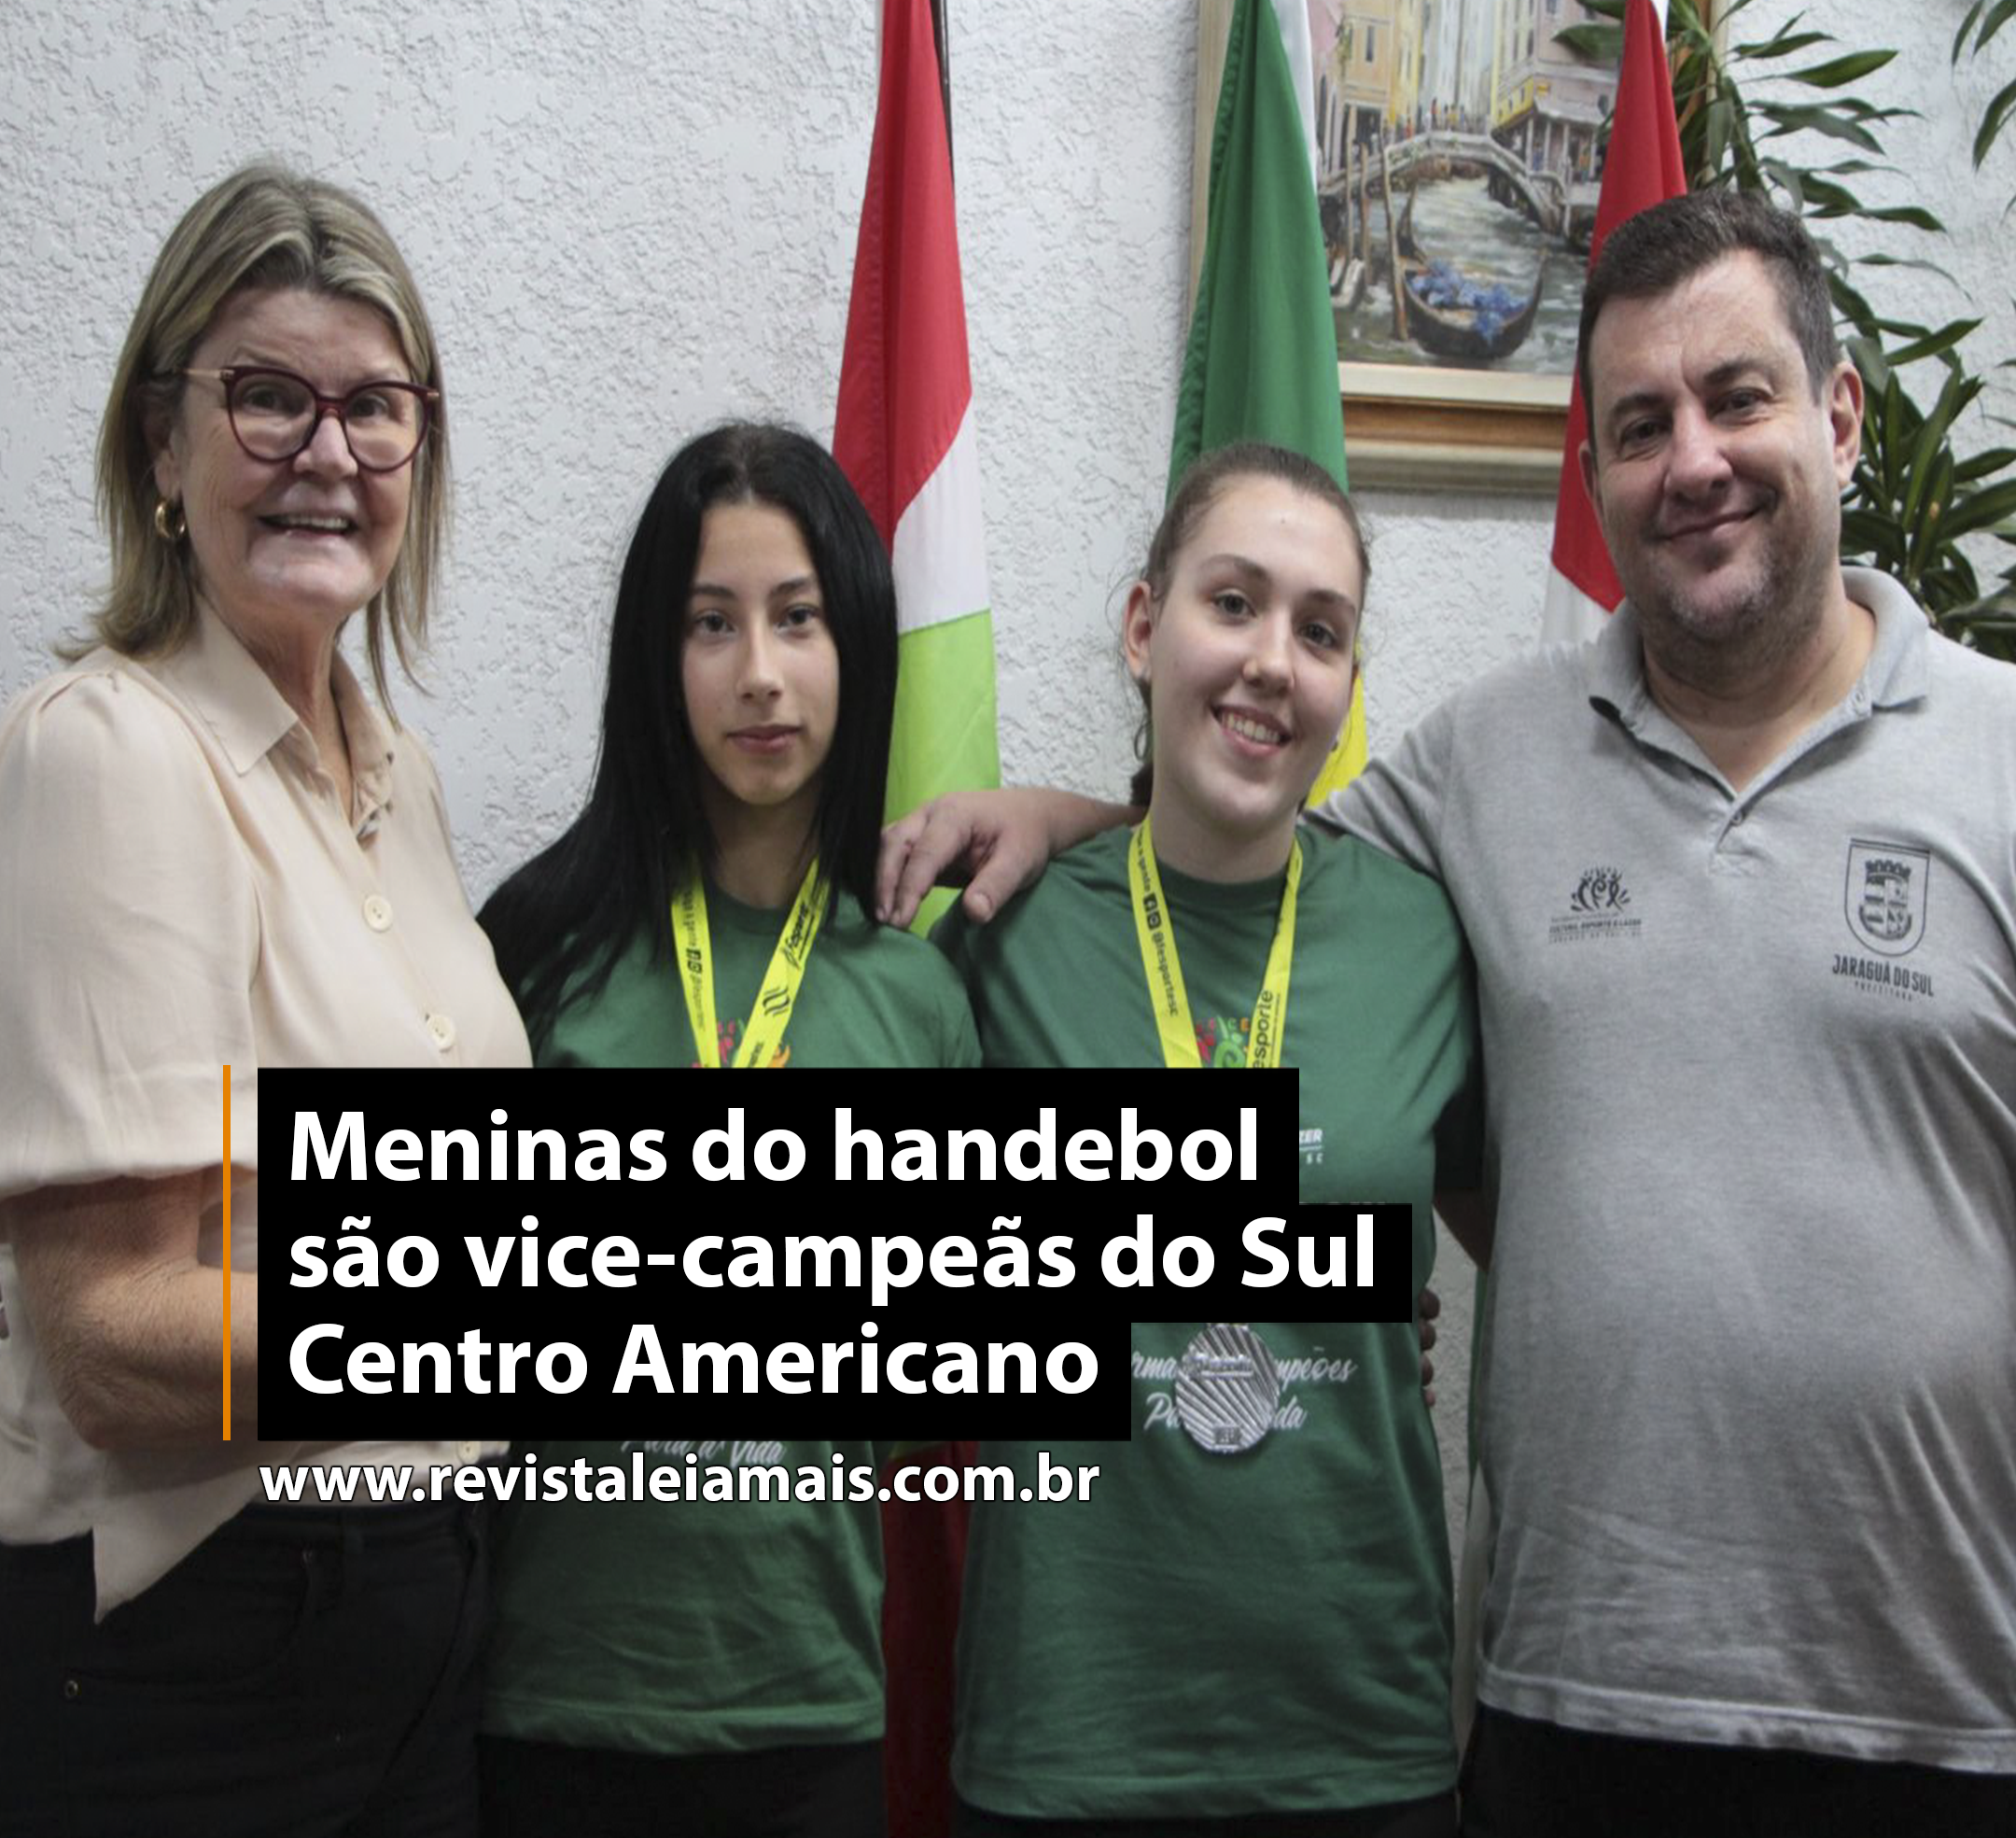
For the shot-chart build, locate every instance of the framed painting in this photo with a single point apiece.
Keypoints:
(1457, 179)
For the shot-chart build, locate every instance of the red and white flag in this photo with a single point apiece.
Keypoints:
(1641, 168)
(903, 432)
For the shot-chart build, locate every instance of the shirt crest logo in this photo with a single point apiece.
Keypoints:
(1600, 891)
(1598, 907)
(1885, 895)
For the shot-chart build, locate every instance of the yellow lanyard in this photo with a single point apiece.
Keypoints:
(779, 994)
(1167, 995)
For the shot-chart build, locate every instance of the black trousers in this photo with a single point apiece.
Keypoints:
(535, 1789)
(1528, 1779)
(1433, 1818)
(301, 1671)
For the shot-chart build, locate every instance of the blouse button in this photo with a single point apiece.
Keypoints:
(443, 1030)
(377, 912)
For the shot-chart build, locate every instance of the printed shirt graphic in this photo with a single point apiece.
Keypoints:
(1597, 906)
(1219, 1632)
(1211, 1633)
(1888, 888)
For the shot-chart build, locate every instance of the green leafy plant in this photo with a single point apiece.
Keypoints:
(1984, 22)
(1747, 115)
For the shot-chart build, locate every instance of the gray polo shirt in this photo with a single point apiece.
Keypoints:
(1750, 1367)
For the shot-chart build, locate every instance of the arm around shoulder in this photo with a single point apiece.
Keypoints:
(1002, 839)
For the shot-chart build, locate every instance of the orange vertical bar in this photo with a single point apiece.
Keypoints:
(227, 1255)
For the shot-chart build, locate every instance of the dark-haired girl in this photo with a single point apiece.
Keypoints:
(745, 744)
(709, 1665)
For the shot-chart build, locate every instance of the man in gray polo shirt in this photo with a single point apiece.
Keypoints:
(1740, 882)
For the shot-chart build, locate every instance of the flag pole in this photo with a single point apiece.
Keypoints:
(941, 38)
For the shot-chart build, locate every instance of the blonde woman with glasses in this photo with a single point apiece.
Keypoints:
(222, 854)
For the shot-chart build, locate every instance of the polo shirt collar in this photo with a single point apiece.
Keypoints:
(1898, 670)
(1615, 667)
(225, 685)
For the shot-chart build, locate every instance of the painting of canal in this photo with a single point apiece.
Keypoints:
(1458, 181)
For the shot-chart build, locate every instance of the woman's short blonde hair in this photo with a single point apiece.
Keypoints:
(262, 226)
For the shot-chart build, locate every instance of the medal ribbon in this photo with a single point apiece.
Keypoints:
(1167, 995)
(779, 993)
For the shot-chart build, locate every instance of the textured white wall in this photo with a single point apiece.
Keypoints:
(632, 217)
(629, 220)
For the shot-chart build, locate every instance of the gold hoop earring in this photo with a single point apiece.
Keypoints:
(170, 525)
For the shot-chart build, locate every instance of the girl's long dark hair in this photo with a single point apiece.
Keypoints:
(562, 921)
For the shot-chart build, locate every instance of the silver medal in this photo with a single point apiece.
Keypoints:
(1227, 1388)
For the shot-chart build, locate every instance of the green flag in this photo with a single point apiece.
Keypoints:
(1261, 360)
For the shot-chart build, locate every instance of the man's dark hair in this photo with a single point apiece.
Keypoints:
(1653, 252)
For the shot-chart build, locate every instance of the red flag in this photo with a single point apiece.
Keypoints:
(905, 383)
(1641, 168)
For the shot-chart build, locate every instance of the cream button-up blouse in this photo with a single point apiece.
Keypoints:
(181, 890)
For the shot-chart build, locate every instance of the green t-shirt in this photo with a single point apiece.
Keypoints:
(872, 996)
(695, 1626)
(1217, 1634)
(689, 1626)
